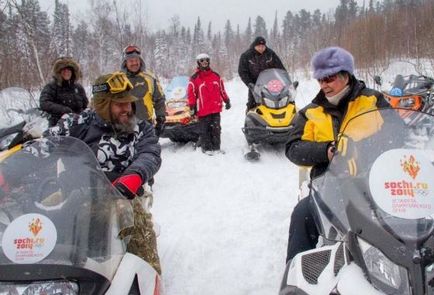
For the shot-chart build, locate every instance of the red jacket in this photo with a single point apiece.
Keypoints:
(207, 92)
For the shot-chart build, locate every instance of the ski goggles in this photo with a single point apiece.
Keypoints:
(132, 49)
(116, 83)
(204, 59)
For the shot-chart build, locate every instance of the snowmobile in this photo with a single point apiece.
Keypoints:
(180, 126)
(414, 92)
(63, 226)
(268, 122)
(374, 210)
(22, 120)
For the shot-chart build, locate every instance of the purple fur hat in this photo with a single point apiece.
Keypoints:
(331, 60)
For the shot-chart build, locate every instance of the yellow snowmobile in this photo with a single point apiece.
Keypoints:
(269, 121)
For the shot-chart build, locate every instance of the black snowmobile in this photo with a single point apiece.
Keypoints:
(374, 208)
(268, 122)
(63, 225)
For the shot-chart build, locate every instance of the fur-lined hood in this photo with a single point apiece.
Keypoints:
(66, 62)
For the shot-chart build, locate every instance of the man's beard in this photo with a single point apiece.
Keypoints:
(127, 127)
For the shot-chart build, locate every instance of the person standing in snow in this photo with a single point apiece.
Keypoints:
(151, 105)
(127, 149)
(206, 93)
(315, 130)
(253, 61)
(63, 94)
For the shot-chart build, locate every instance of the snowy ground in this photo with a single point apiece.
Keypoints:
(224, 221)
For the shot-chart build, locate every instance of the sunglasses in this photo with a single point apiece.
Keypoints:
(204, 59)
(328, 79)
(132, 49)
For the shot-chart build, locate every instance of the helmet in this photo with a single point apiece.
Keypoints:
(202, 56)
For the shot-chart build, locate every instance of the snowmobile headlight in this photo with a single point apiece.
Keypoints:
(39, 288)
(283, 101)
(384, 274)
(406, 102)
(269, 103)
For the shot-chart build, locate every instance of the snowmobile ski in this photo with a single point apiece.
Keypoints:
(252, 155)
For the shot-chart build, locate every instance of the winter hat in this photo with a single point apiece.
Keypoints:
(65, 62)
(331, 60)
(259, 41)
(101, 100)
(129, 52)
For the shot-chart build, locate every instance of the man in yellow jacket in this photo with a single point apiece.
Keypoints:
(151, 104)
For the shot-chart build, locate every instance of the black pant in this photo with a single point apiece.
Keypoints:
(210, 131)
(303, 234)
(251, 103)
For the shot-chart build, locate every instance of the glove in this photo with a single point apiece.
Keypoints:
(228, 104)
(193, 110)
(160, 125)
(129, 185)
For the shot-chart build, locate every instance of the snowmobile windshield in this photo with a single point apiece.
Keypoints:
(274, 88)
(16, 105)
(409, 85)
(58, 207)
(177, 88)
(381, 176)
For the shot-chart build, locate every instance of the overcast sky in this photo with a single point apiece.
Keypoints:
(158, 12)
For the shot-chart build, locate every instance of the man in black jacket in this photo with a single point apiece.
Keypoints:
(127, 149)
(63, 94)
(253, 61)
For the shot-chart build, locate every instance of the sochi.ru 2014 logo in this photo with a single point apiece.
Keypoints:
(410, 166)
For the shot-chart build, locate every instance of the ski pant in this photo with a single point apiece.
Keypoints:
(303, 233)
(251, 103)
(210, 131)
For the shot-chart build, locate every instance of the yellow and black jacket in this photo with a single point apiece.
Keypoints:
(319, 123)
(147, 89)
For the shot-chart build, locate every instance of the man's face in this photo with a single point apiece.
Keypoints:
(133, 64)
(66, 74)
(121, 112)
(260, 48)
(204, 62)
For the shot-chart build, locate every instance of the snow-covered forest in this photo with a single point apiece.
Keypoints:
(376, 33)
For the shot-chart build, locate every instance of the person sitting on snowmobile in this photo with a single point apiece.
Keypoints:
(127, 148)
(315, 131)
(64, 94)
(253, 61)
(206, 92)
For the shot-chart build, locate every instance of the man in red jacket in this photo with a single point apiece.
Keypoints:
(206, 94)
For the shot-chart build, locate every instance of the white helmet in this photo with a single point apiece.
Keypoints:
(202, 56)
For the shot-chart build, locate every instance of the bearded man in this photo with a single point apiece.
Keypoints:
(127, 149)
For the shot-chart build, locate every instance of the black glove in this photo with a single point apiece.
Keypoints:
(193, 110)
(228, 104)
(160, 125)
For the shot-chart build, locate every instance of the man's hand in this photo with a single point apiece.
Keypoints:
(129, 185)
(228, 104)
